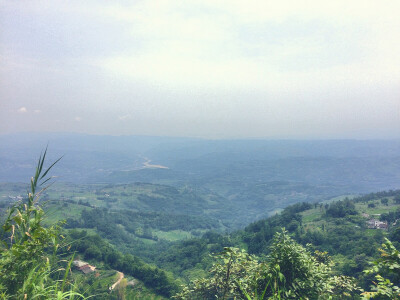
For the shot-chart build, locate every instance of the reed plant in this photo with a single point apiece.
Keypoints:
(30, 267)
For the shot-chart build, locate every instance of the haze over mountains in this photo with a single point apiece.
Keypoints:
(91, 158)
(256, 176)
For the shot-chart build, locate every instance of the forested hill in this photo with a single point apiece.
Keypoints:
(125, 242)
(337, 227)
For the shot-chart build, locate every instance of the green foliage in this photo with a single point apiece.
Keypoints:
(347, 239)
(234, 273)
(379, 195)
(258, 234)
(341, 209)
(391, 216)
(93, 247)
(28, 261)
(289, 272)
(303, 275)
(135, 222)
(387, 271)
(306, 276)
(385, 201)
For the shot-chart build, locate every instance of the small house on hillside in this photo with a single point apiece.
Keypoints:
(376, 224)
(83, 266)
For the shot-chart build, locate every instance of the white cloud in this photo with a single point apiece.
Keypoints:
(184, 47)
(204, 42)
(37, 111)
(183, 62)
(22, 110)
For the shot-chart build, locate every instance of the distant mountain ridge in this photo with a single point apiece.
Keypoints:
(256, 177)
(102, 155)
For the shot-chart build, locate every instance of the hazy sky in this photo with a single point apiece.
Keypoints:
(207, 68)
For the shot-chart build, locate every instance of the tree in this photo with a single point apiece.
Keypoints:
(289, 272)
(234, 273)
(340, 209)
(385, 201)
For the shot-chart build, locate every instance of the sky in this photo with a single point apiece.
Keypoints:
(208, 68)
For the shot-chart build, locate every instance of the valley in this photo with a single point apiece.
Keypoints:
(161, 227)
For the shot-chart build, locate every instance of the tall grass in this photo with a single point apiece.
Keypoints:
(29, 265)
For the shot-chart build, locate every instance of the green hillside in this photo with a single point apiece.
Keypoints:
(36, 257)
(146, 240)
(338, 226)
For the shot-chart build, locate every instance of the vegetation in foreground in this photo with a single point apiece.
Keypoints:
(290, 271)
(30, 267)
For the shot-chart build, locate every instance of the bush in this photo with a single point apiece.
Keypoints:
(289, 272)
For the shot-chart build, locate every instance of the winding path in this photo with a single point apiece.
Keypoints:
(121, 276)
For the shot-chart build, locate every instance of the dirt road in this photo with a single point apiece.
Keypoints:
(120, 277)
